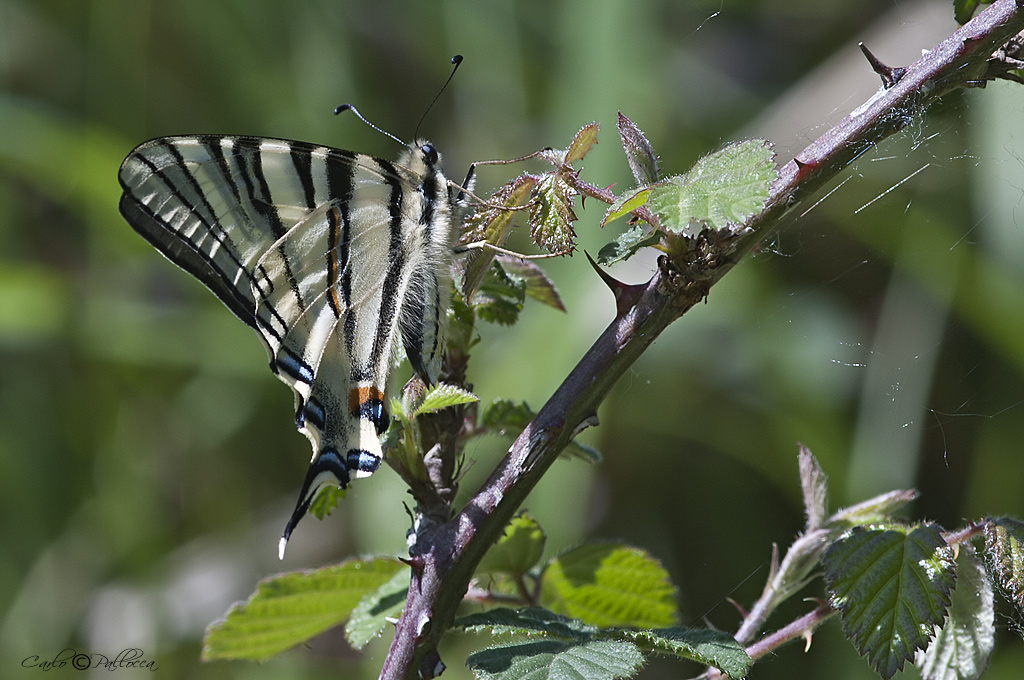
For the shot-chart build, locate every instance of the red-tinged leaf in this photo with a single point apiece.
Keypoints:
(639, 152)
(551, 217)
(538, 285)
(490, 224)
(583, 142)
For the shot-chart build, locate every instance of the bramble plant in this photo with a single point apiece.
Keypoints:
(903, 591)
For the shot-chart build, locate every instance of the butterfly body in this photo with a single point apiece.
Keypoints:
(328, 255)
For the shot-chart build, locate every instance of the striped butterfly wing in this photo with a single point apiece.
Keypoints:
(327, 254)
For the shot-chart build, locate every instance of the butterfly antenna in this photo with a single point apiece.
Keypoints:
(349, 107)
(457, 59)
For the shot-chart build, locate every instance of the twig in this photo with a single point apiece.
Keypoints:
(801, 627)
(447, 554)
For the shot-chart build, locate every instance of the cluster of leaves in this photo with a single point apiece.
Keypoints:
(716, 195)
(903, 591)
(603, 605)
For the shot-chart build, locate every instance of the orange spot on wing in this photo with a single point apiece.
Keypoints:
(363, 395)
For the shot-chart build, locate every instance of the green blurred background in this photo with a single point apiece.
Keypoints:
(147, 456)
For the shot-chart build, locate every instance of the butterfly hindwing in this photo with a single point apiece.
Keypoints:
(327, 254)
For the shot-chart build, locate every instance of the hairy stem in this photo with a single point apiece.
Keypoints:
(446, 555)
(801, 627)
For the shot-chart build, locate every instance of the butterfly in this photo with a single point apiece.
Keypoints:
(329, 255)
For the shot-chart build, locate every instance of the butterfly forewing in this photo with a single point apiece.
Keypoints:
(325, 253)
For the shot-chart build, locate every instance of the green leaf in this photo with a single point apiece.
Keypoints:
(288, 609)
(815, 488)
(491, 225)
(371, 614)
(642, 160)
(962, 646)
(626, 245)
(442, 396)
(502, 621)
(326, 500)
(519, 548)
(582, 143)
(500, 298)
(556, 659)
(703, 645)
(724, 188)
(625, 204)
(610, 585)
(507, 417)
(551, 216)
(891, 587)
(877, 510)
(1004, 556)
(538, 285)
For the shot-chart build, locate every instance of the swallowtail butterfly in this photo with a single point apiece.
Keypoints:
(328, 255)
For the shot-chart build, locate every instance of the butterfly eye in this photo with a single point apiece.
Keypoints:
(429, 152)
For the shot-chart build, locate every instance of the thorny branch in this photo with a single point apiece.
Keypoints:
(445, 555)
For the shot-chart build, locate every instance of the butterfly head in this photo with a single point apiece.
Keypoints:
(421, 157)
(329, 468)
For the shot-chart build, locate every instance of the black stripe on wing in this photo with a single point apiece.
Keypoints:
(189, 257)
(388, 312)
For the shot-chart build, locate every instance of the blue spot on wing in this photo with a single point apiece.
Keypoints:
(293, 366)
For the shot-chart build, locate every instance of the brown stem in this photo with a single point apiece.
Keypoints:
(801, 627)
(447, 554)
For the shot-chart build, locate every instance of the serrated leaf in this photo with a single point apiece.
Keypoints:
(583, 142)
(326, 501)
(538, 285)
(556, 659)
(289, 609)
(626, 245)
(610, 585)
(961, 648)
(639, 152)
(551, 216)
(369, 617)
(722, 189)
(625, 204)
(891, 587)
(877, 510)
(703, 645)
(501, 311)
(518, 549)
(814, 484)
(507, 417)
(502, 621)
(491, 225)
(1004, 557)
(500, 298)
(442, 396)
